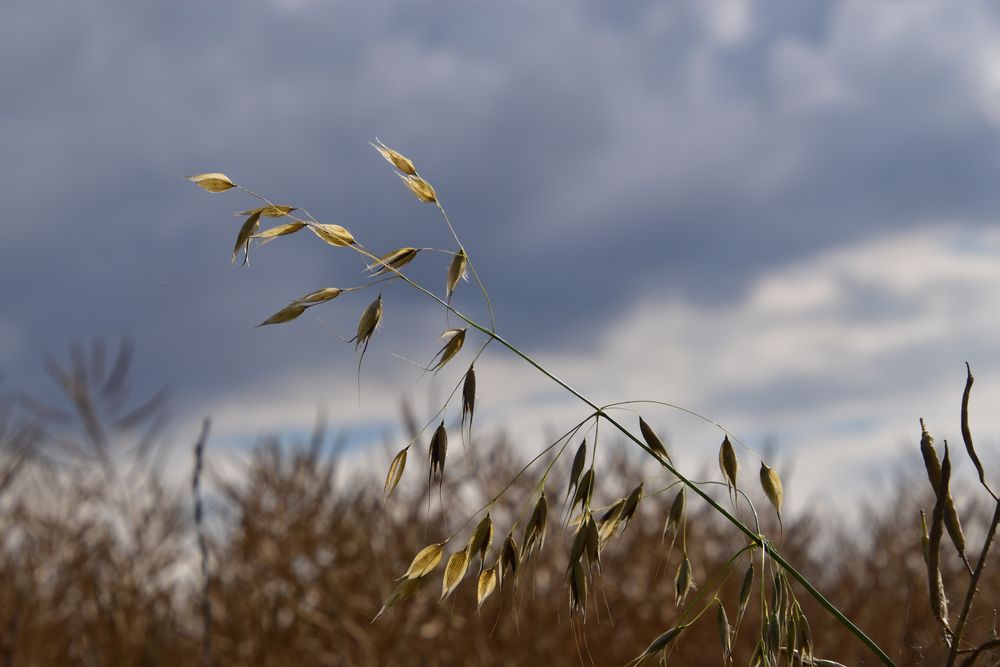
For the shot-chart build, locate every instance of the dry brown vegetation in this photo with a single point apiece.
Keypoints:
(99, 563)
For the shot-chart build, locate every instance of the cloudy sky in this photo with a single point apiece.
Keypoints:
(780, 215)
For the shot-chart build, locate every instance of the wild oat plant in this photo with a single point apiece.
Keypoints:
(497, 553)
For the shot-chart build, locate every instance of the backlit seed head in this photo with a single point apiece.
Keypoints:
(396, 159)
(728, 463)
(771, 483)
(420, 188)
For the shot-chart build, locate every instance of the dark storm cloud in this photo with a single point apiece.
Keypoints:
(591, 158)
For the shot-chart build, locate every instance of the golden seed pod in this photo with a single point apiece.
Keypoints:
(280, 230)
(396, 159)
(487, 582)
(510, 559)
(270, 211)
(578, 589)
(321, 295)
(469, 396)
(396, 259)
(631, 504)
(403, 590)
(438, 450)
(456, 338)
(247, 231)
(653, 442)
(659, 644)
(771, 483)
(286, 314)
(335, 235)
(481, 539)
(579, 460)
(676, 515)
(456, 272)
(725, 630)
(420, 188)
(395, 473)
(369, 321)
(728, 463)
(534, 531)
(454, 572)
(425, 561)
(682, 580)
(214, 182)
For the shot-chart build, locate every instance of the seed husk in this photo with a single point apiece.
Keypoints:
(370, 319)
(510, 559)
(676, 514)
(660, 643)
(403, 590)
(396, 259)
(771, 483)
(213, 182)
(270, 211)
(469, 396)
(335, 235)
(728, 463)
(487, 582)
(585, 489)
(534, 530)
(745, 589)
(653, 441)
(578, 589)
(395, 473)
(456, 339)
(420, 188)
(248, 229)
(682, 580)
(481, 539)
(425, 561)
(456, 272)
(631, 505)
(929, 454)
(321, 295)
(396, 159)
(725, 631)
(286, 314)
(438, 450)
(278, 230)
(579, 460)
(454, 571)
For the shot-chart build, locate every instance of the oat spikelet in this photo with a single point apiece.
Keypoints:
(280, 230)
(321, 295)
(609, 521)
(630, 506)
(370, 319)
(534, 530)
(395, 473)
(682, 580)
(396, 159)
(579, 460)
(481, 539)
(403, 590)
(213, 182)
(421, 189)
(425, 561)
(661, 643)
(438, 451)
(653, 442)
(745, 589)
(275, 211)
(248, 229)
(577, 590)
(333, 234)
(510, 560)
(675, 516)
(396, 259)
(286, 314)
(728, 463)
(456, 339)
(469, 396)
(771, 483)
(454, 572)
(725, 630)
(487, 583)
(456, 272)
(584, 490)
